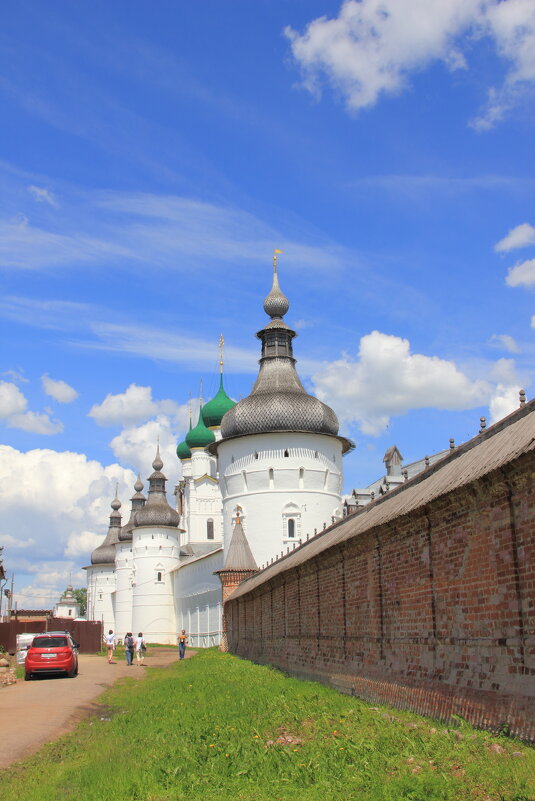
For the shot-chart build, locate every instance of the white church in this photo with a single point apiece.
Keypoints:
(269, 467)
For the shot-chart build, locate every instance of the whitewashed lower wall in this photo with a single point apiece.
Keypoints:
(198, 600)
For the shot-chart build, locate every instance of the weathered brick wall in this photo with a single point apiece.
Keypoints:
(433, 611)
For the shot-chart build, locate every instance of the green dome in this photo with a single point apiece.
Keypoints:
(200, 436)
(215, 409)
(182, 451)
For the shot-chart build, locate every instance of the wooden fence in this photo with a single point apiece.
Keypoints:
(86, 632)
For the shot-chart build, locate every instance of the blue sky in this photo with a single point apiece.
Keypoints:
(153, 156)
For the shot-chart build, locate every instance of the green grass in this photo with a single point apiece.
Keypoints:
(217, 728)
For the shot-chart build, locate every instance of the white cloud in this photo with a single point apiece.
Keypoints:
(12, 400)
(36, 423)
(522, 274)
(137, 446)
(7, 540)
(84, 542)
(504, 400)
(13, 410)
(42, 195)
(372, 46)
(132, 406)
(61, 500)
(387, 379)
(518, 237)
(59, 390)
(533, 321)
(505, 341)
(16, 376)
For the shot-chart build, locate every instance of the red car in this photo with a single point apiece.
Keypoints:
(52, 652)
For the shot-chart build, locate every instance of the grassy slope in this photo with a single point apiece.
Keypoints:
(216, 728)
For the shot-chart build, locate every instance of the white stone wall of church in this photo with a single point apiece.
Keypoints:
(101, 589)
(198, 600)
(124, 574)
(273, 488)
(155, 552)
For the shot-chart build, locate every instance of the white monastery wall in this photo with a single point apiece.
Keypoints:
(277, 478)
(155, 551)
(198, 599)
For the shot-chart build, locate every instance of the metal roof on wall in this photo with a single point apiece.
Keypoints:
(493, 448)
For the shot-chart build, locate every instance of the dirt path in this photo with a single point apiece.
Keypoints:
(36, 712)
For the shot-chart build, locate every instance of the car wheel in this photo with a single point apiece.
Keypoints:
(72, 673)
(27, 677)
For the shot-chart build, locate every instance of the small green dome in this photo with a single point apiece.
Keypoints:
(182, 451)
(200, 436)
(215, 409)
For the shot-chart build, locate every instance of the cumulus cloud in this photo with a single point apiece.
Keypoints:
(36, 423)
(372, 46)
(504, 400)
(12, 400)
(59, 390)
(522, 274)
(13, 411)
(136, 446)
(42, 195)
(519, 237)
(61, 500)
(505, 341)
(132, 406)
(387, 379)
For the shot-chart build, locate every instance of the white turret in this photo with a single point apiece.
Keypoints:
(101, 573)
(280, 456)
(155, 551)
(124, 566)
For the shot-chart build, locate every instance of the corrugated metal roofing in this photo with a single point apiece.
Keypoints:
(494, 448)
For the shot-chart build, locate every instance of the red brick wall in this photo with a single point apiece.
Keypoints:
(433, 611)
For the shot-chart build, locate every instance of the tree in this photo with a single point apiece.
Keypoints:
(81, 597)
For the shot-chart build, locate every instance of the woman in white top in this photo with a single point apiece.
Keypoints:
(140, 649)
(110, 644)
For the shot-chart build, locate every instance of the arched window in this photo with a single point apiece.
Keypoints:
(291, 527)
(256, 455)
(271, 478)
(286, 452)
(301, 477)
(210, 529)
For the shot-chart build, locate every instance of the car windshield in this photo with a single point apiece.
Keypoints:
(49, 642)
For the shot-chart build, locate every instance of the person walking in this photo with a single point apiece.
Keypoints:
(129, 648)
(182, 640)
(110, 645)
(140, 649)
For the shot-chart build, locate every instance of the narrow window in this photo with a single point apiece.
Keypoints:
(286, 452)
(70, 612)
(256, 455)
(271, 480)
(209, 529)
(159, 576)
(301, 477)
(291, 527)
(316, 455)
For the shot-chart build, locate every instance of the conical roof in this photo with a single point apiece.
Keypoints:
(200, 436)
(105, 553)
(138, 502)
(156, 511)
(239, 555)
(278, 401)
(214, 411)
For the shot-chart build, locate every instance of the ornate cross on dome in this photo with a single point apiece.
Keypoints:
(221, 343)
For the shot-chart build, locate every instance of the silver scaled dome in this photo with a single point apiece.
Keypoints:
(105, 553)
(138, 502)
(278, 401)
(156, 511)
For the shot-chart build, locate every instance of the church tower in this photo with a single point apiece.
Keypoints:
(101, 573)
(280, 456)
(155, 552)
(124, 566)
